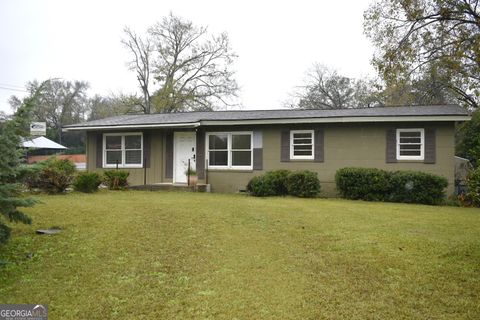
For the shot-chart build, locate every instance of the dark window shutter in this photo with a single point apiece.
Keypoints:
(319, 146)
(285, 146)
(430, 146)
(257, 159)
(200, 154)
(146, 149)
(391, 153)
(99, 150)
(169, 155)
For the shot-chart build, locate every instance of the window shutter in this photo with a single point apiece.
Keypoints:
(200, 154)
(99, 150)
(169, 155)
(146, 149)
(285, 146)
(319, 146)
(257, 150)
(430, 146)
(391, 153)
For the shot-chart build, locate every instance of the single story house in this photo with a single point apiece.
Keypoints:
(228, 148)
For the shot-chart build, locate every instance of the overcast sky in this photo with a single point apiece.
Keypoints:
(276, 41)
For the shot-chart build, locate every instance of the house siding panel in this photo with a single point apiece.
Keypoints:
(345, 145)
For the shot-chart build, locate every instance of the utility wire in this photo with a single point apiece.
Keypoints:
(12, 89)
(11, 85)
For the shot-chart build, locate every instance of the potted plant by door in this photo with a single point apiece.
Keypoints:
(192, 177)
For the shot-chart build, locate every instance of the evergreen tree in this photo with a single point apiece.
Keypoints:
(11, 134)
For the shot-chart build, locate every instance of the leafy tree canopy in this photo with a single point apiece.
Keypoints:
(58, 103)
(468, 139)
(414, 38)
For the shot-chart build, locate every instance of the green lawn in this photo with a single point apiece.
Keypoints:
(166, 255)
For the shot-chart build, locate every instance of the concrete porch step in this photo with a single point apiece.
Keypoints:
(170, 187)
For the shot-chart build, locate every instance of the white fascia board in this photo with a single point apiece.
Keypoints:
(337, 120)
(134, 126)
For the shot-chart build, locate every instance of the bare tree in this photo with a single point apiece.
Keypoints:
(326, 89)
(190, 66)
(141, 50)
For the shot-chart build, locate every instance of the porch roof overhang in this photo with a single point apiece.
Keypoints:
(132, 126)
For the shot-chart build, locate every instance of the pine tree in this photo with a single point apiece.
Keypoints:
(11, 134)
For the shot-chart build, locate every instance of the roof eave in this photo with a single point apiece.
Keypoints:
(425, 118)
(132, 126)
(452, 118)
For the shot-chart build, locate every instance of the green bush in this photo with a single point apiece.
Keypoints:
(57, 175)
(87, 182)
(116, 179)
(278, 181)
(416, 187)
(272, 183)
(282, 182)
(259, 186)
(304, 184)
(362, 183)
(52, 175)
(395, 186)
(472, 198)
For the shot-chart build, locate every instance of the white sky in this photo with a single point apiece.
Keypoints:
(277, 41)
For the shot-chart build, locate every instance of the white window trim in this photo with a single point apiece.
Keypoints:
(229, 165)
(121, 164)
(422, 142)
(294, 157)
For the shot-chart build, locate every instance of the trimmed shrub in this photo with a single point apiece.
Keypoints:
(278, 180)
(260, 186)
(304, 184)
(116, 179)
(416, 187)
(87, 182)
(282, 182)
(272, 183)
(362, 183)
(397, 186)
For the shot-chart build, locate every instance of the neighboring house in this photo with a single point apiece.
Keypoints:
(228, 148)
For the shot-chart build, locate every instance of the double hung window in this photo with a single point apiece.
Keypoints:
(123, 149)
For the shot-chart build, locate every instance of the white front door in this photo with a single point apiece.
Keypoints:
(184, 149)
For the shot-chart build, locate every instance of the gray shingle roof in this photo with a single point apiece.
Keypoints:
(243, 115)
